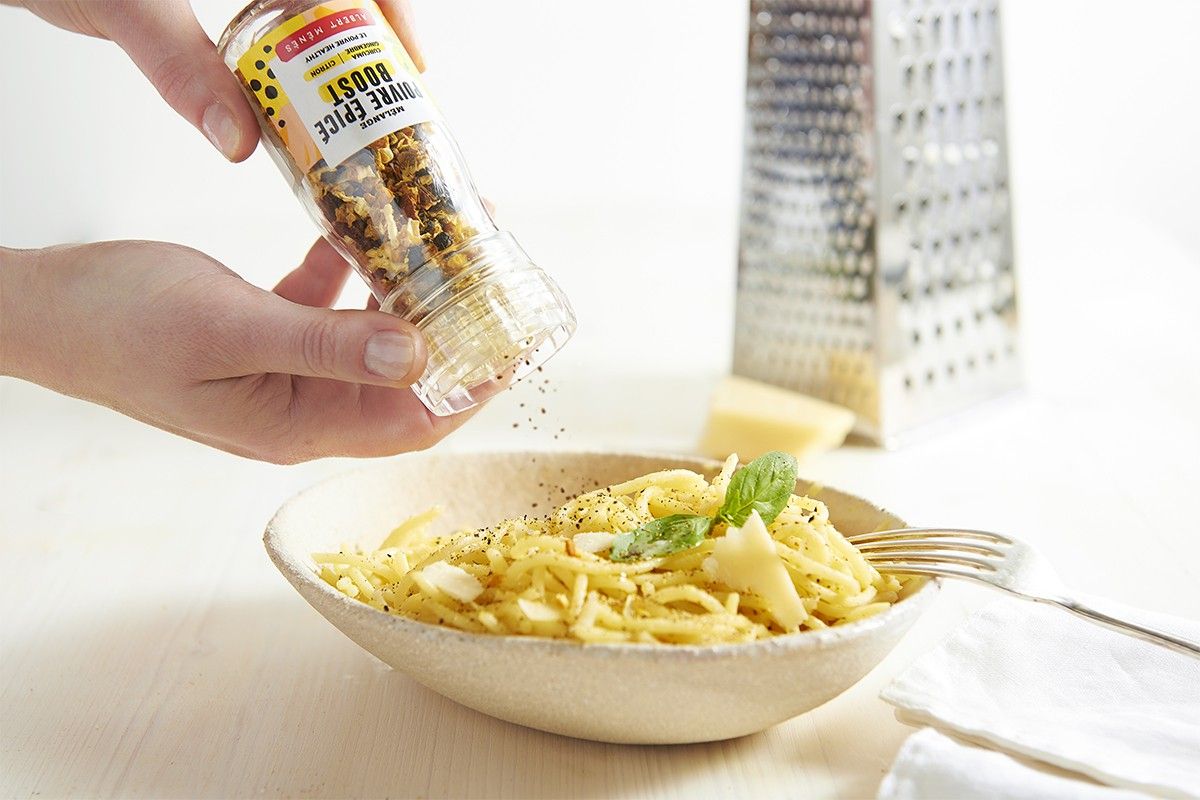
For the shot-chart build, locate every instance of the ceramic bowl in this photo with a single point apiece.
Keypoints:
(644, 694)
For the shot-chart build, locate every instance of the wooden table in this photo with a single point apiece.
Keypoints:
(150, 649)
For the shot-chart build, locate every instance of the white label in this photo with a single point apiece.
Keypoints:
(334, 79)
(366, 95)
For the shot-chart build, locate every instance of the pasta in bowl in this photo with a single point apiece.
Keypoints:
(549, 619)
(580, 572)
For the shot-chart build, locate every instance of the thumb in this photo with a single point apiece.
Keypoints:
(365, 347)
(168, 45)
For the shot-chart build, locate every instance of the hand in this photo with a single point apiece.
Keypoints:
(171, 49)
(169, 336)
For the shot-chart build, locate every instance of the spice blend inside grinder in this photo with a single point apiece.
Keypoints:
(347, 119)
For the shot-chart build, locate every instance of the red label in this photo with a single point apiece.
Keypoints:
(320, 30)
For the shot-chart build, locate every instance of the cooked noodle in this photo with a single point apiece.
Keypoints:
(527, 576)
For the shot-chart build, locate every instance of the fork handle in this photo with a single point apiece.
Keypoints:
(1143, 632)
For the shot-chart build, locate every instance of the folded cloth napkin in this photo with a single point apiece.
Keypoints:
(1040, 682)
(931, 766)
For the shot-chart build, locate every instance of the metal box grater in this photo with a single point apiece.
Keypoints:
(875, 262)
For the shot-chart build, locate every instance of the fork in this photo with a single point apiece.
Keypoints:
(996, 560)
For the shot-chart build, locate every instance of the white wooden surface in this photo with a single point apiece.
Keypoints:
(149, 649)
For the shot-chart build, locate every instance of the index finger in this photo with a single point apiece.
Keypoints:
(400, 16)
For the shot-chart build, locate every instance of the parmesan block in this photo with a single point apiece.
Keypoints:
(745, 559)
(454, 581)
(752, 418)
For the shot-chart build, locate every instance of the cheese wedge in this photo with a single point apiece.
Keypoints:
(454, 581)
(593, 541)
(536, 611)
(745, 559)
(752, 418)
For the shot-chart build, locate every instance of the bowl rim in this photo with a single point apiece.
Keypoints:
(294, 568)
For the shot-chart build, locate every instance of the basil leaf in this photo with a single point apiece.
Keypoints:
(764, 485)
(661, 537)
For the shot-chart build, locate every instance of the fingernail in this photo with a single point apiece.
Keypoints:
(221, 129)
(389, 354)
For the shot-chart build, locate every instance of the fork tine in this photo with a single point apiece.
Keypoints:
(871, 549)
(928, 533)
(908, 568)
(934, 558)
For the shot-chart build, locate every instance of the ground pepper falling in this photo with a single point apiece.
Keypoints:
(535, 416)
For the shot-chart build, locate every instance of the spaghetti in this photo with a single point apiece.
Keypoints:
(550, 577)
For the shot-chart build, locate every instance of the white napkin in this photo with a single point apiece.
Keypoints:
(1040, 682)
(931, 766)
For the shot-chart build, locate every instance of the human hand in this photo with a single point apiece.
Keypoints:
(167, 44)
(169, 336)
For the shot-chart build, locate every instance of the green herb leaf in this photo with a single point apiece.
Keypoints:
(661, 537)
(764, 485)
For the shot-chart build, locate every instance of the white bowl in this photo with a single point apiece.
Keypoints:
(638, 693)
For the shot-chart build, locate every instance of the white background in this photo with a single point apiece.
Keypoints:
(609, 137)
(150, 650)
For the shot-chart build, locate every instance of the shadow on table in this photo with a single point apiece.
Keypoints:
(265, 698)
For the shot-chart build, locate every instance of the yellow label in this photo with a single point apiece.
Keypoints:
(360, 78)
(333, 79)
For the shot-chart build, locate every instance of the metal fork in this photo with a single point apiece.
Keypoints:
(996, 560)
